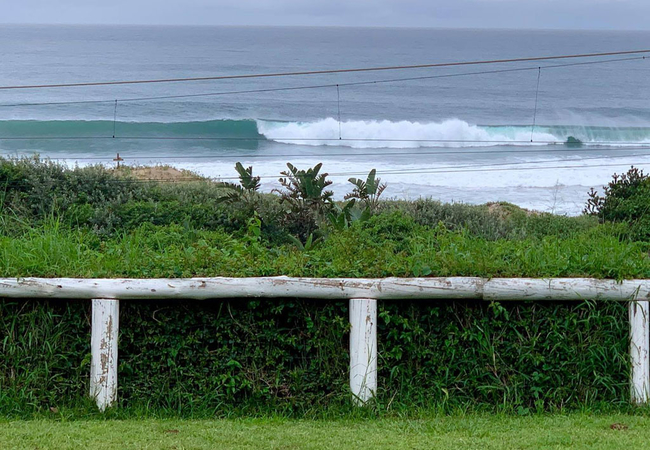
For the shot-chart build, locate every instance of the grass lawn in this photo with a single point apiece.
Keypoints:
(471, 431)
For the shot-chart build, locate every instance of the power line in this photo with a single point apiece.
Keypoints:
(114, 118)
(398, 171)
(322, 86)
(233, 138)
(434, 171)
(464, 168)
(403, 171)
(346, 174)
(405, 152)
(321, 72)
(318, 139)
(338, 107)
(532, 128)
(506, 169)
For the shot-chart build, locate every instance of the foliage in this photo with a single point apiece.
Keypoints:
(367, 191)
(384, 245)
(305, 191)
(45, 349)
(244, 193)
(342, 217)
(289, 357)
(32, 192)
(39, 188)
(491, 221)
(626, 199)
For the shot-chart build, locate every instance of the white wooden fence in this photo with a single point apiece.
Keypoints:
(362, 294)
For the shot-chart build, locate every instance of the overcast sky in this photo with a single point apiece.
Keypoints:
(568, 14)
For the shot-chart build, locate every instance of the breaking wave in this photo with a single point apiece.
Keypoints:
(326, 132)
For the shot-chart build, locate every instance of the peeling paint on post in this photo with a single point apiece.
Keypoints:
(363, 349)
(103, 343)
(639, 348)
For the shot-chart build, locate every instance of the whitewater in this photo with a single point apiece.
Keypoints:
(473, 139)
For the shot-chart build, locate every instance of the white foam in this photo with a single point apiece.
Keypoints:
(402, 134)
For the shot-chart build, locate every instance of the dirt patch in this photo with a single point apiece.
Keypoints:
(159, 173)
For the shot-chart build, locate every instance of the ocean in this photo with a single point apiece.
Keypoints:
(461, 134)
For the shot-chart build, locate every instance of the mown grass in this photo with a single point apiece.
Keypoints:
(465, 431)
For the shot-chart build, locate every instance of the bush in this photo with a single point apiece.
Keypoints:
(491, 221)
(290, 357)
(33, 191)
(308, 200)
(38, 189)
(626, 199)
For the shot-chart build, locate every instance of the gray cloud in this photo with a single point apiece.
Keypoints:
(568, 14)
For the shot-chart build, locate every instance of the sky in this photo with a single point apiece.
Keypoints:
(541, 14)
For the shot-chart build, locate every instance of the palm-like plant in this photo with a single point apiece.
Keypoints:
(306, 189)
(367, 191)
(244, 192)
(306, 193)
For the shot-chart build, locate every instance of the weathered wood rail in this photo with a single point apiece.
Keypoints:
(363, 294)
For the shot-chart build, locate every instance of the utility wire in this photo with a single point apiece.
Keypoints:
(325, 139)
(338, 107)
(114, 118)
(490, 165)
(323, 86)
(247, 156)
(532, 128)
(455, 169)
(346, 174)
(489, 151)
(477, 167)
(321, 72)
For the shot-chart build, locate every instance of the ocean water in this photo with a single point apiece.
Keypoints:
(461, 136)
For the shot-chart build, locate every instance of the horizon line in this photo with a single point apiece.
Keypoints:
(393, 27)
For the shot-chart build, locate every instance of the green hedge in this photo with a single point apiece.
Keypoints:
(290, 357)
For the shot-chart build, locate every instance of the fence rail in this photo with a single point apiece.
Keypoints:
(363, 294)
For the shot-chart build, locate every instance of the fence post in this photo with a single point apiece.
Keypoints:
(363, 349)
(639, 348)
(103, 344)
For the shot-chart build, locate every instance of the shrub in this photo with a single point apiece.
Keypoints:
(244, 193)
(36, 189)
(309, 200)
(477, 219)
(367, 191)
(626, 199)
(290, 357)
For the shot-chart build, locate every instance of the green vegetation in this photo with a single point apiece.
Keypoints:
(626, 199)
(288, 357)
(91, 222)
(252, 358)
(385, 245)
(456, 431)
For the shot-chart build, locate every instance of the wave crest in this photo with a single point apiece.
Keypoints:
(325, 132)
(402, 134)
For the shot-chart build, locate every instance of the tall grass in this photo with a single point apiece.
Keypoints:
(289, 357)
(387, 245)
